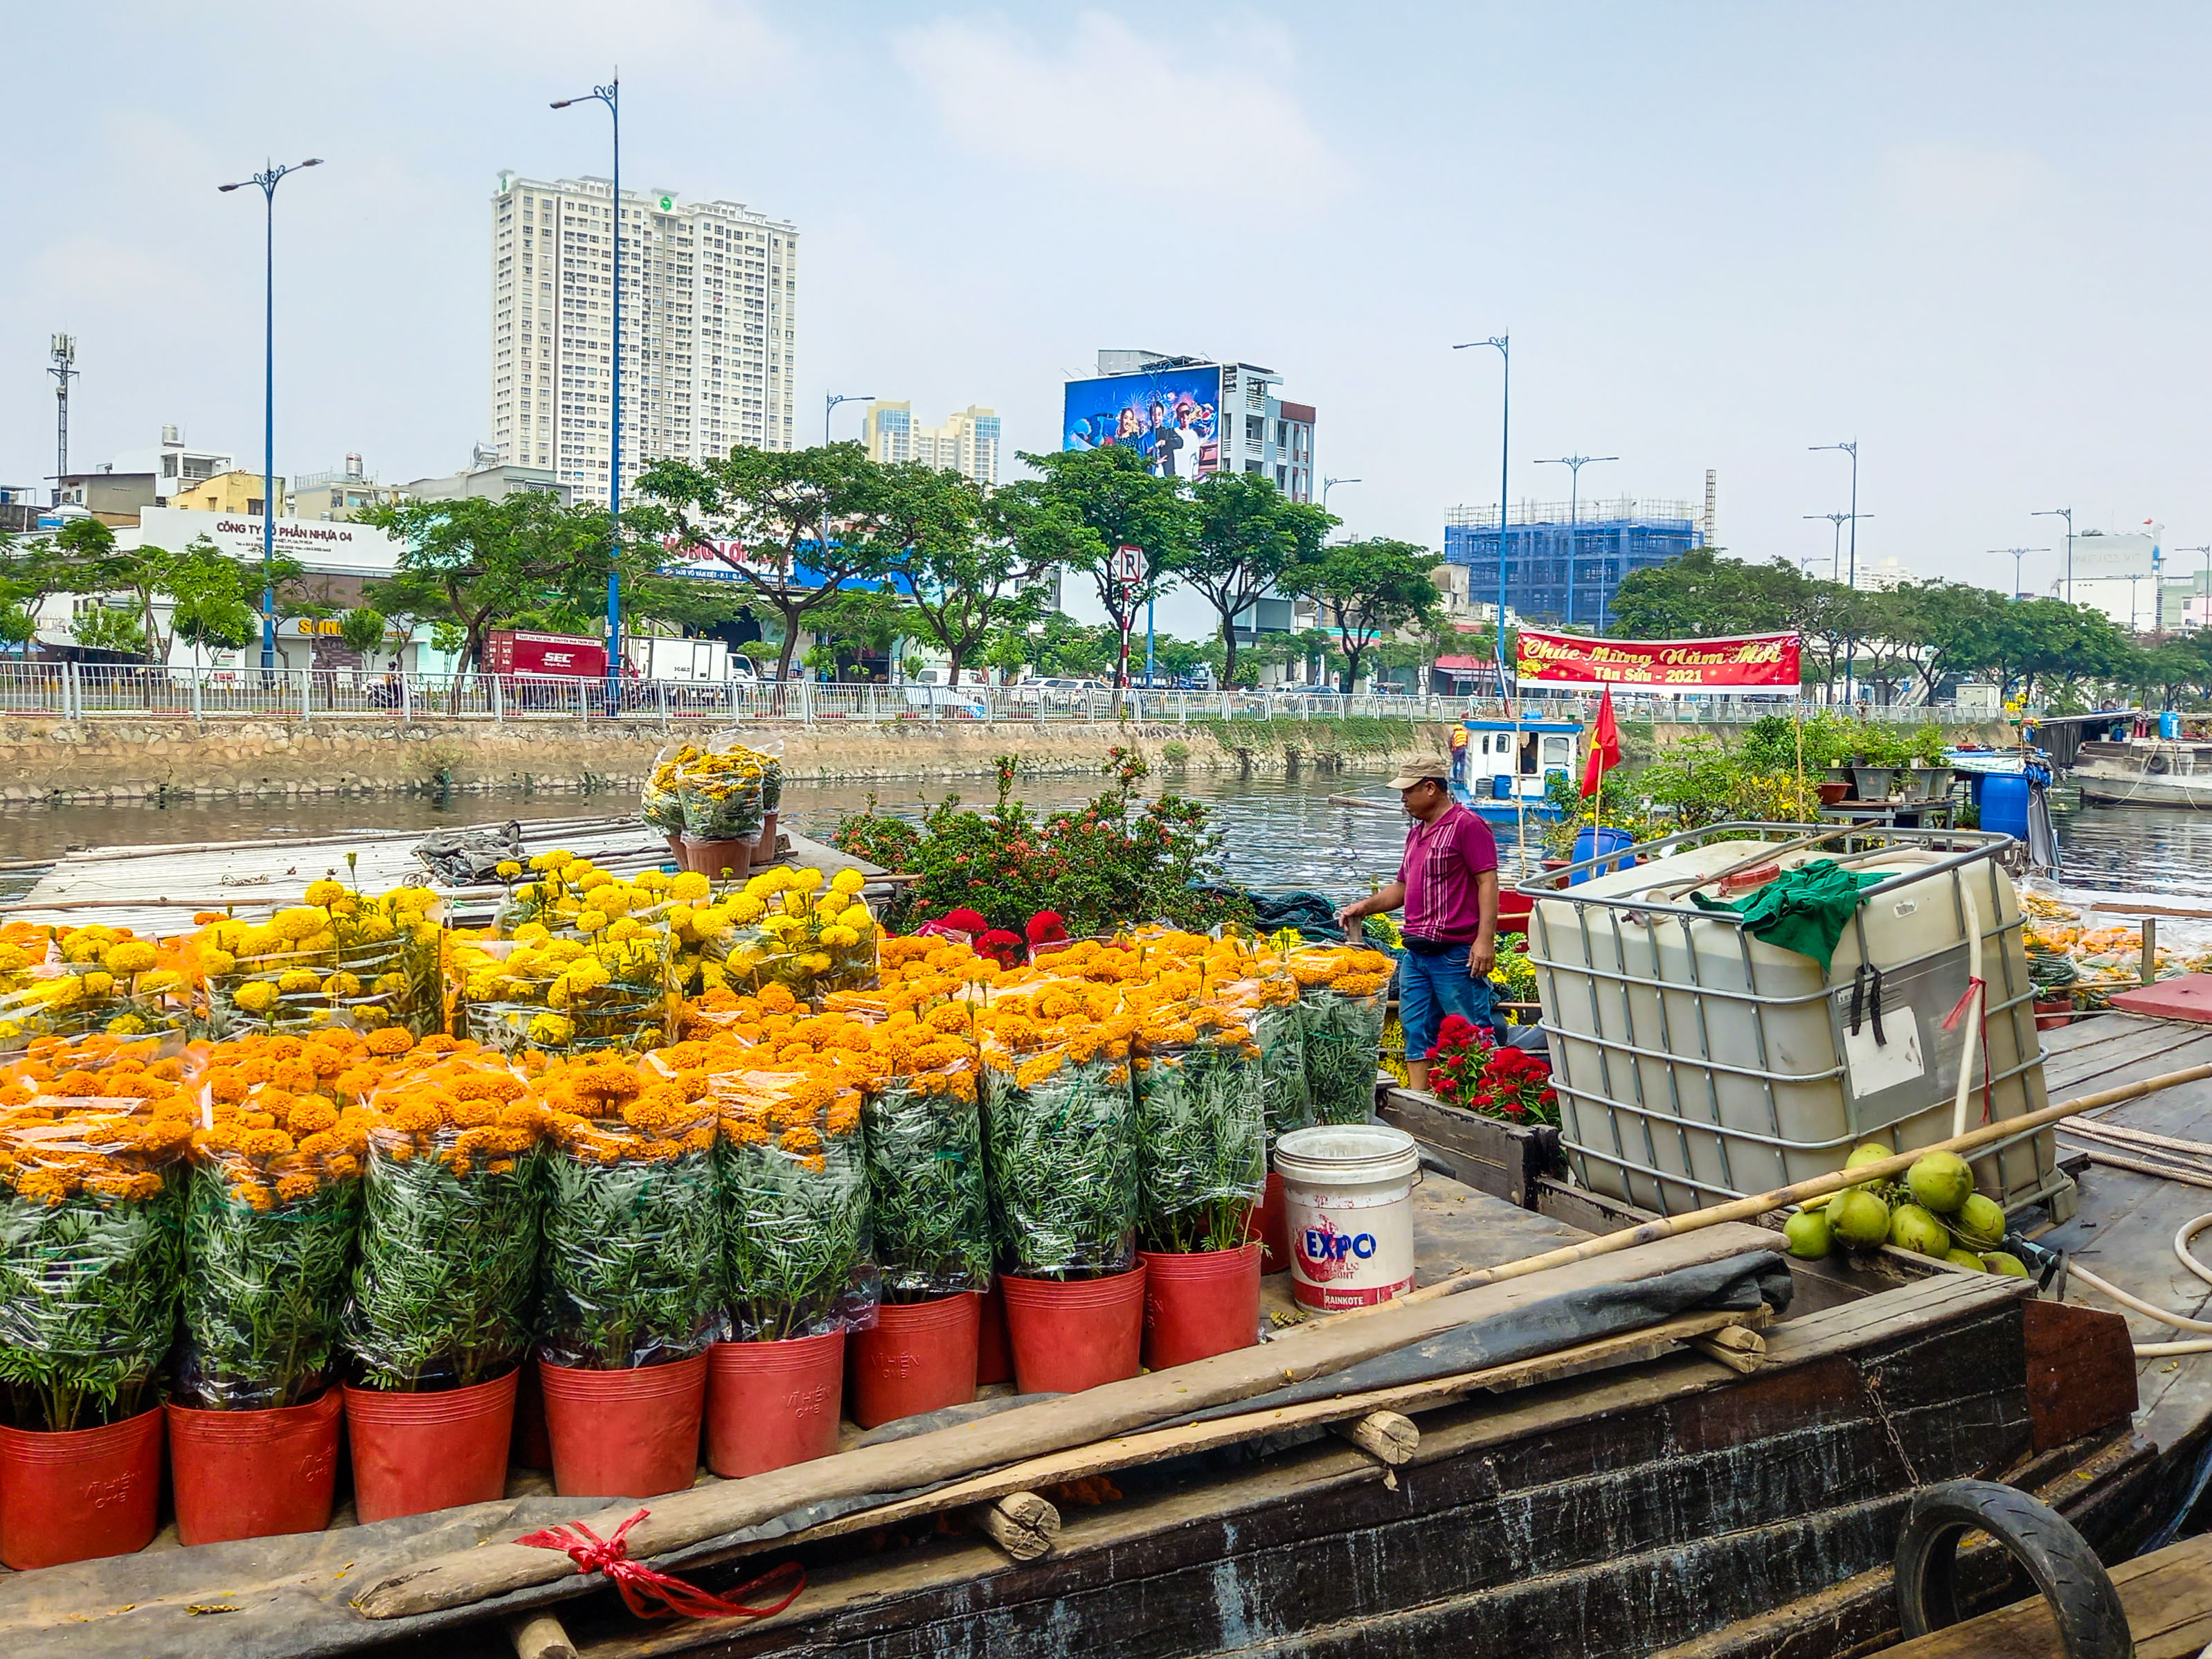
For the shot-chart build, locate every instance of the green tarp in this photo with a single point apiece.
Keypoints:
(1805, 909)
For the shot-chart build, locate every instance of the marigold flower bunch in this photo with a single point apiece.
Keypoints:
(99, 1117)
(1342, 1005)
(726, 791)
(94, 978)
(461, 1106)
(790, 927)
(340, 957)
(277, 1123)
(560, 994)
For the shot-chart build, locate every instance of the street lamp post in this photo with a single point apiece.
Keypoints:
(829, 407)
(268, 178)
(1503, 342)
(1574, 463)
(2207, 602)
(1327, 484)
(611, 95)
(2018, 553)
(2067, 513)
(1850, 640)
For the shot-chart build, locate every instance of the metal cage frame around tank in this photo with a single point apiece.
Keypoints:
(1693, 1068)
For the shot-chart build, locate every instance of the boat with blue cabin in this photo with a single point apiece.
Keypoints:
(1501, 767)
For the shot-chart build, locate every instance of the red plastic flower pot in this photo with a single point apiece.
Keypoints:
(994, 1358)
(530, 1449)
(918, 1356)
(413, 1452)
(2051, 1013)
(254, 1473)
(80, 1494)
(1200, 1302)
(1269, 1227)
(629, 1433)
(770, 1404)
(1074, 1335)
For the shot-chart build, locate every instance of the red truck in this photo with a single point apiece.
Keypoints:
(519, 651)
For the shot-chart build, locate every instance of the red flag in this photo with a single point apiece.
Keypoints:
(1605, 744)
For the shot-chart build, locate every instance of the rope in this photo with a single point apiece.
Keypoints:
(641, 1586)
(2178, 1321)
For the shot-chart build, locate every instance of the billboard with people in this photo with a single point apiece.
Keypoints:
(1171, 416)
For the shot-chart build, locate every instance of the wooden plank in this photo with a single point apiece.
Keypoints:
(2080, 1371)
(1503, 1159)
(2167, 1595)
(1021, 1524)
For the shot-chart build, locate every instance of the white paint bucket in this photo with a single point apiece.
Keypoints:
(1348, 1199)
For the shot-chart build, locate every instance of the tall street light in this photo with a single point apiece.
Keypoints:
(829, 407)
(1327, 484)
(2067, 513)
(268, 178)
(1574, 464)
(1503, 342)
(1850, 640)
(2018, 553)
(611, 95)
(2207, 552)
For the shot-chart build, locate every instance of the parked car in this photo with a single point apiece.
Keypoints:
(964, 704)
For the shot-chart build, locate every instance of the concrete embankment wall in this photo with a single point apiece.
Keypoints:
(123, 759)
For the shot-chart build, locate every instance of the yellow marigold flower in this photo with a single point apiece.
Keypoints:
(320, 893)
(507, 869)
(293, 981)
(590, 921)
(342, 985)
(848, 880)
(551, 1029)
(98, 984)
(257, 996)
(131, 957)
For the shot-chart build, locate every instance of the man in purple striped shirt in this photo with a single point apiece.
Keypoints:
(1448, 881)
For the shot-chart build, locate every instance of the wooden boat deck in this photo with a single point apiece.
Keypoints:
(2167, 1594)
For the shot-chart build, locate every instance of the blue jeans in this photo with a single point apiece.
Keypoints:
(1430, 988)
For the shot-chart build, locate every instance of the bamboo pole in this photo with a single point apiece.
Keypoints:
(1759, 1204)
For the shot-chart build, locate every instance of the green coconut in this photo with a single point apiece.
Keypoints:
(1809, 1234)
(1915, 1229)
(1871, 1152)
(1964, 1258)
(2003, 1262)
(1941, 1183)
(1860, 1219)
(1980, 1222)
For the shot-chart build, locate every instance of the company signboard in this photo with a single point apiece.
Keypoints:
(2134, 553)
(325, 549)
(1753, 664)
(1171, 416)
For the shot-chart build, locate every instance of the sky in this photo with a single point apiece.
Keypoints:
(1970, 237)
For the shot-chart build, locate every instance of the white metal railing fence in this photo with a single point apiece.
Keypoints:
(69, 690)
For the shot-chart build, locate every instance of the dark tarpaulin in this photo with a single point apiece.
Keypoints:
(287, 1598)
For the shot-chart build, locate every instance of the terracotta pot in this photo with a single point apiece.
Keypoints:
(675, 851)
(530, 1449)
(995, 1357)
(764, 849)
(711, 857)
(629, 1433)
(413, 1452)
(1268, 1226)
(770, 1404)
(1075, 1335)
(80, 1494)
(254, 1473)
(1833, 793)
(1200, 1302)
(2050, 1016)
(918, 1356)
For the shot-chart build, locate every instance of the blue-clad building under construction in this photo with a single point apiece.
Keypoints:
(1606, 538)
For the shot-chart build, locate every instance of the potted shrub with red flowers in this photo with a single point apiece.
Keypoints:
(1509, 1093)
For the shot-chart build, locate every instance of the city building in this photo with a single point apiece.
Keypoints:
(1190, 416)
(1610, 539)
(709, 295)
(235, 491)
(114, 498)
(22, 506)
(339, 497)
(174, 465)
(2118, 573)
(968, 442)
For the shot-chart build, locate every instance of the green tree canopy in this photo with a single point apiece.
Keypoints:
(1087, 503)
(1366, 589)
(964, 579)
(1245, 534)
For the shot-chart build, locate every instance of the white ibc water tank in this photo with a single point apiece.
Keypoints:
(1694, 1062)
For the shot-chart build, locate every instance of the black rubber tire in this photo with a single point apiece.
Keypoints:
(2091, 1620)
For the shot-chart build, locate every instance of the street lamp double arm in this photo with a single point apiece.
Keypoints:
(1503, 344)
(1574, 464)
(611, 95)
(2067, 513)
(1850, 640)
(829, 407)
(268, 178)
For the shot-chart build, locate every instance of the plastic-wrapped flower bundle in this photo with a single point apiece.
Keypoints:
(630, 1274)
(562, 995)
(272, 1211)
(658, 803)
(1343, 997)
(450, 1225)
(924, 1131)
(1268, 1000)
(572, 898)
(90, 1235)
(793, 929)
(796, 1259)
(1060, 1126)
(1201, 1122)
(340, 957)
(111, 980)
(728, 790)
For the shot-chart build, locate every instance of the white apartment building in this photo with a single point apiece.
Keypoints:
(709, 295)
(968, 443)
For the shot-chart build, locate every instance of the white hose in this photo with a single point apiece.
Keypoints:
(2178, 1321)
(1973, 1013)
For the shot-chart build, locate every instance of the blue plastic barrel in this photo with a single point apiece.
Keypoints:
(2169, 724)
(1501, 785)
(1599, 843)
(2004, 805)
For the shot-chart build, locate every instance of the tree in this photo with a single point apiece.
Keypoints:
(208, 591)
(1087, 503)
(1946, 628)
(793, 526)
(473, 564)
(1245, 534)
(963, 578)
(361, 630)
(1701, 593)
(1366, 589)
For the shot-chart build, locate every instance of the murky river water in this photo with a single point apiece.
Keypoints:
(1280, 833)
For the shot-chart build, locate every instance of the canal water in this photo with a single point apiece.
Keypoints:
(1278, 832)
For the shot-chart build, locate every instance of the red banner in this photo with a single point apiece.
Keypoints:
(1752, 662)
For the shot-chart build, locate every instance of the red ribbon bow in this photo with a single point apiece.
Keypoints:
(641, 1585)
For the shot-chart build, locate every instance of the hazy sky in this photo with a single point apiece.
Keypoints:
(1973, 236)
